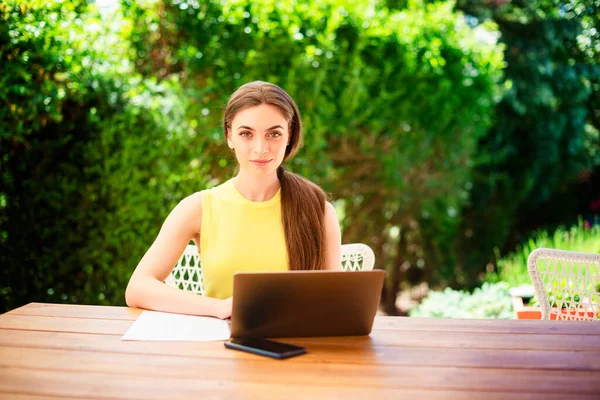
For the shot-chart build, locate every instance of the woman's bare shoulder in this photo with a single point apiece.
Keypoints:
(194, 198)
(330, 210)
(191, 202)
(188, 213)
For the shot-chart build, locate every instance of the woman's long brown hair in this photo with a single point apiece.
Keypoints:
(302, 202)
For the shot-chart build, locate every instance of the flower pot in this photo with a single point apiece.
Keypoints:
(568, 315)
(571, 315)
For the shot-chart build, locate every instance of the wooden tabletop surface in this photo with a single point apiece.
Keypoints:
(50, 351)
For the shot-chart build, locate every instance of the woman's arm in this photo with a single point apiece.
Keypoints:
(333, 239)
(146, 288)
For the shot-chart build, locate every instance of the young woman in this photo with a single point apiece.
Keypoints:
(264, 219)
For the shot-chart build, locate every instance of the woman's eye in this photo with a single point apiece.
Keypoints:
(275, 134)
(245, 134)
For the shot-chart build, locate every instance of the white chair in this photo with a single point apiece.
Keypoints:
(187, 273)
(566, 283)
(357, 257)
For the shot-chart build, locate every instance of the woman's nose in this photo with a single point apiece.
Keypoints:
(261, 147)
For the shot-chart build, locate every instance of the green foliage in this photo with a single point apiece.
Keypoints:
(489, 301)
(87, 178)
(393, 102)
(42, 65)
(513, 267)
(94, 156)
(397, 99)
(545, 136)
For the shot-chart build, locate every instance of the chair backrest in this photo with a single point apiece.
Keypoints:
(187, 273)
(357, 257)
(566, 283)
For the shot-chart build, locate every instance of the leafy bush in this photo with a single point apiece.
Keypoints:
(512, 268)
(393, 102)
(489, 301)
(94, 156)
(43, 66)
(90, 168)
(539, 164)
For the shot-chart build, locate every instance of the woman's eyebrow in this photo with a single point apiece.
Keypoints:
(251, 129)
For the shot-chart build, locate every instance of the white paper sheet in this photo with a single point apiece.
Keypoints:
(154, 325)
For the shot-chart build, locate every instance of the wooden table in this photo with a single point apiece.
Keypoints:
(69, 351)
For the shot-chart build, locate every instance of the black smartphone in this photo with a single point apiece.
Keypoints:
(265, 347)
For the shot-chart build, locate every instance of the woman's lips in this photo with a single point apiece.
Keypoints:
(260, 163)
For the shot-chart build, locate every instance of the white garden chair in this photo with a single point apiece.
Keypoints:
(566, 283)
(357, 257)
(187, 274)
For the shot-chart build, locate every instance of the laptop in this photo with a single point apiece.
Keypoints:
(305, 303)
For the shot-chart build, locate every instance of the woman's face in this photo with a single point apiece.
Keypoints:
(259, 136)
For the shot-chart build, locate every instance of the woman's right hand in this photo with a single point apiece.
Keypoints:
(224, 308)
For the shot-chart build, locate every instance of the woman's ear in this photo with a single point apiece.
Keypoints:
(229, 141)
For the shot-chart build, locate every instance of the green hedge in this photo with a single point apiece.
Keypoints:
(93, 157)
(393, 103)
(540, 162)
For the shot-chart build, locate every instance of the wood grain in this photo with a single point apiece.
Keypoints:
(387, 337)
(381, 322)
(294, 371)
(326, 351)
(64, 324)
(21, 396)
(485, 325)
(77, 311)
(222, 377)
(76, 352)
(106, 386)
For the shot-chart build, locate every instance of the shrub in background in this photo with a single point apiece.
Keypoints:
(393, 103)
(540, 162)
(489, 301)
(92, 157)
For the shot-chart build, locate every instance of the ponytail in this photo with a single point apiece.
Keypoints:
(302, 214)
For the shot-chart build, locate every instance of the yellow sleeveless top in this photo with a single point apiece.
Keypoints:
(238, 235)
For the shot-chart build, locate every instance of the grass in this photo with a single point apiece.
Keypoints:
(512, 268)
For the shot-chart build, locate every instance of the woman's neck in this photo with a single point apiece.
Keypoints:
(257, 188)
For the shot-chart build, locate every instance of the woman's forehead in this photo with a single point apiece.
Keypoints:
(261, 117)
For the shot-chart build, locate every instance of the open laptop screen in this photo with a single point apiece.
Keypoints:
(305, 303)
